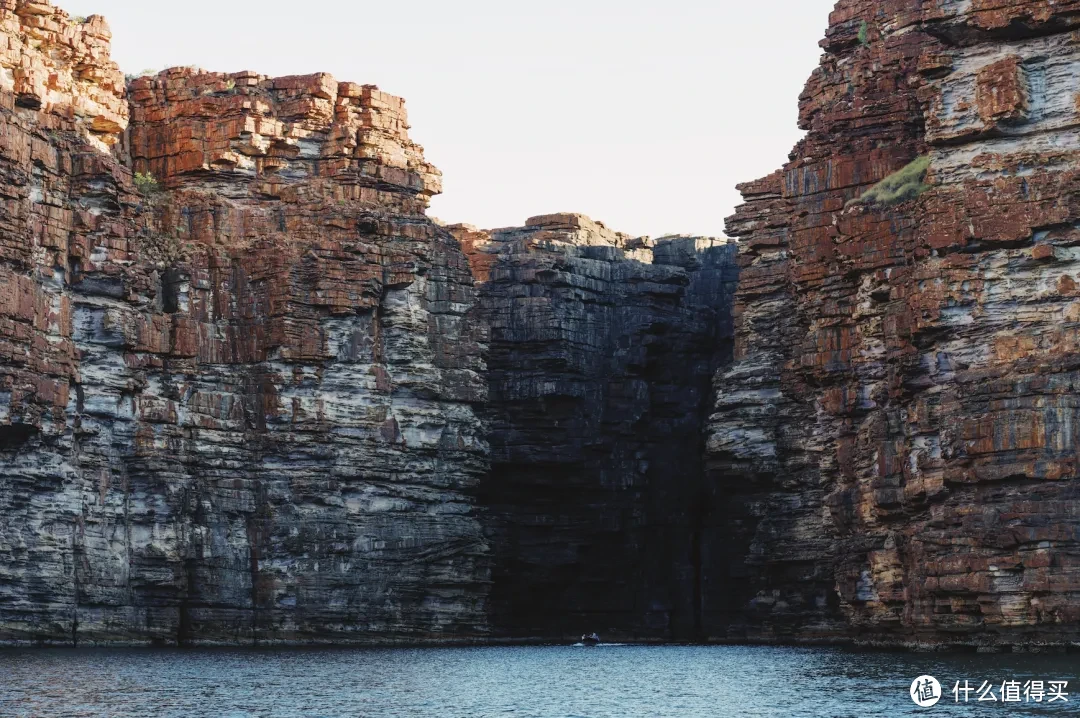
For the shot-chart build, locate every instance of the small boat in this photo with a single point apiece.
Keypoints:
(590, 640)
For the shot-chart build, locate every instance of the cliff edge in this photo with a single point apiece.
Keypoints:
(897, 437)
(239, 388)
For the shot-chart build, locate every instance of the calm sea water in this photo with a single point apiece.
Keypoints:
(604, 682)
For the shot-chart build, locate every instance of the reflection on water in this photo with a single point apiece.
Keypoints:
(610, 681)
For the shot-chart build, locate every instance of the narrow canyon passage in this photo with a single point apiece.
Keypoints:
(602, 350)
(250, 392)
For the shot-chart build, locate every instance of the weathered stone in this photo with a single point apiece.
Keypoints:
(896, 437)
(350, 142)
(242, 407)
(272, 400)
(601, 351)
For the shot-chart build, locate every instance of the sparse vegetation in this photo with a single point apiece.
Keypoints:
(78, 19)
(143, 73)
(864, 34)
(902, 185)
(146, 184)
(230, 85)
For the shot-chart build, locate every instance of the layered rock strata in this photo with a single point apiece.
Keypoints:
(241, 404)
(243, 387)
(602, 348)
(252, 393)
(898, 433)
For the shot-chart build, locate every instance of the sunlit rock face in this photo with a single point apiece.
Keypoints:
(240, 405)
(895, 445)
(602, 348)
(245, 385)
(249, 391)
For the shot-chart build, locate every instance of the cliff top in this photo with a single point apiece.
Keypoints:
(572, 229)
(61, 65)
(244, 126)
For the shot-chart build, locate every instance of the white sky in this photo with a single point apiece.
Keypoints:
(641, 114)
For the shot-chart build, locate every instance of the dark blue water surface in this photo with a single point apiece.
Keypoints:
(604, 682)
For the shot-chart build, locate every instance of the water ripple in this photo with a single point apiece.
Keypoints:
(519, 682)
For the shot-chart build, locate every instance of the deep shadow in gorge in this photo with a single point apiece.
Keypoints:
(601, 357)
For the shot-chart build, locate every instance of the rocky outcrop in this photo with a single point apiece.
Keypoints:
(240, 404)
(250, 392)
(898, 431)
(244, 396)
(601, 352)
(245, 384)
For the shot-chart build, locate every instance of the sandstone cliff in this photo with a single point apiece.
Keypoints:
(250, 392)
(602, 347)
(897, 437)
(246, 392)
(240, 405)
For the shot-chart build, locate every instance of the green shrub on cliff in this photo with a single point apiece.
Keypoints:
(902, 185)
(864, 34)
(145, 183)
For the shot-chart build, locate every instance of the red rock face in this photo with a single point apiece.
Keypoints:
(899, 428)
(350, 140)
(244, 393)
(44, 103)
(240, 406)
(246, 404)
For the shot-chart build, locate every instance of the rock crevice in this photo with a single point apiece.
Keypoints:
(602, 348)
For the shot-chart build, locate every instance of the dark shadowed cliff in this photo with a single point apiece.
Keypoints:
(602, 349)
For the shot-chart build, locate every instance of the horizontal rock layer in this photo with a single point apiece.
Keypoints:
(245, 388)
(602, 348)
(243, 404)
(898, 431)
(253, 393)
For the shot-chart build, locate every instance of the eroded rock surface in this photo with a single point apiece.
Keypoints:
(271, 400)
(898, 433)
(242, 406)
(601, 351)
(244, 395)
